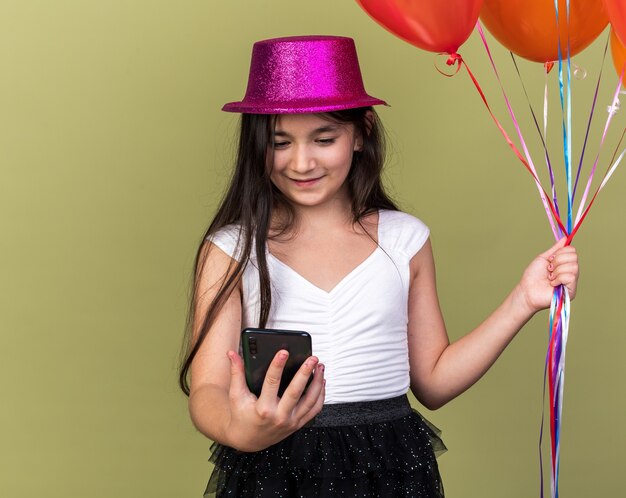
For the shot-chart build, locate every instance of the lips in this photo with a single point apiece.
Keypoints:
(306, 183)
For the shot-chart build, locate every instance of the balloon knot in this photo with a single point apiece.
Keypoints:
(453, 59)
(548, 66)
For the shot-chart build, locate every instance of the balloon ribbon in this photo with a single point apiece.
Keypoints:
(554, 371)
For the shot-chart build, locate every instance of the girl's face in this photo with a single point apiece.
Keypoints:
(312, 158)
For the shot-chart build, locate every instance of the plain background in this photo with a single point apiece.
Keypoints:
(113, 156)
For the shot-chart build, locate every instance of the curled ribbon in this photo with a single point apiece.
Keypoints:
(454, 58)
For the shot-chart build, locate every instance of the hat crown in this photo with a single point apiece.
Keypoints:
(303, 74)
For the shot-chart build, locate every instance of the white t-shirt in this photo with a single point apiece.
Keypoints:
(359, 328)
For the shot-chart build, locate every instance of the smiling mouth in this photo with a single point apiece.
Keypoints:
(306, 183)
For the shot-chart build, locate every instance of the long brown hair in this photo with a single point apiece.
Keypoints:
(250, 199)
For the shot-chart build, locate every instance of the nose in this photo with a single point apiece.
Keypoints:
(302, 161)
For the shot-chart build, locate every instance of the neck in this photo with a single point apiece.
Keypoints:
(326, 217)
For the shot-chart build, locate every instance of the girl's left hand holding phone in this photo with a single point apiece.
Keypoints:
(256, 423)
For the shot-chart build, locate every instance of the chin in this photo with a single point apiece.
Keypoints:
(306, 202)
(313, 199)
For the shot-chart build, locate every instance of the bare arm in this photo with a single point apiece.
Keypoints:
(220, 404)
(440, 371)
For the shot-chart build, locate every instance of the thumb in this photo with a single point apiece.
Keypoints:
(237, 376)
(558, 245)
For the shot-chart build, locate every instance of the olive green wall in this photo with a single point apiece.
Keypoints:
(113, 152)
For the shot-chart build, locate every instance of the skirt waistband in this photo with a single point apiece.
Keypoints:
(362, 412)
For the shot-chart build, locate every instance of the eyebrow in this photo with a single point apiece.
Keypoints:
(317, 131)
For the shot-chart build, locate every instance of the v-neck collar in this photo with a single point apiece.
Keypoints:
(357, 269)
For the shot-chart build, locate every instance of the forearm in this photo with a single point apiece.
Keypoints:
(465, 361)
(209, 408)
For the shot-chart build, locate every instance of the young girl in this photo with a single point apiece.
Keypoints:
(307, 239)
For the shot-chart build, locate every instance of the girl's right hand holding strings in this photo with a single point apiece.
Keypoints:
(256, 423)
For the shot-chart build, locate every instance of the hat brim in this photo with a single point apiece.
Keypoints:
(300, 107)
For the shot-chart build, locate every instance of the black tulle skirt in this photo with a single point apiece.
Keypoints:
(367, 449)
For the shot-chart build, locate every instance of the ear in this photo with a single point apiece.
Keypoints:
(358, 143)
(369, 121)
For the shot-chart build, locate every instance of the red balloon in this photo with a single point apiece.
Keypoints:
(616, 9)
(434, 25)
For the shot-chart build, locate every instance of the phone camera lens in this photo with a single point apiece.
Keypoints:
(252, 345)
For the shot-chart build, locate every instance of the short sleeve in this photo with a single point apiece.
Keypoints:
(227, 239)
(402, 232)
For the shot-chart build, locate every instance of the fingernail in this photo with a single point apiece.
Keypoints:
(283, 355)
(321, 367)
(550, 267)
(551, 258)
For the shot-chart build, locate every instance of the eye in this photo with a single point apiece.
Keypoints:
(280, 145)
(326, 141)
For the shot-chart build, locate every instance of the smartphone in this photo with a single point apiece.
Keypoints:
(261, 345)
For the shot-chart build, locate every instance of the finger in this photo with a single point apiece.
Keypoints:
(310, 398)
(562, 266)
(566, 249)
(317, 407)
(563, 269)
(296, 387)
(570, 286)
(567, 277)
(561, 261)
(271, 383)
(563, 257)
(558, 245)
(237, 376)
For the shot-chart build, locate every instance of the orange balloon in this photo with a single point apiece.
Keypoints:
(618, 51)
(616, 9)
(528, 28)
